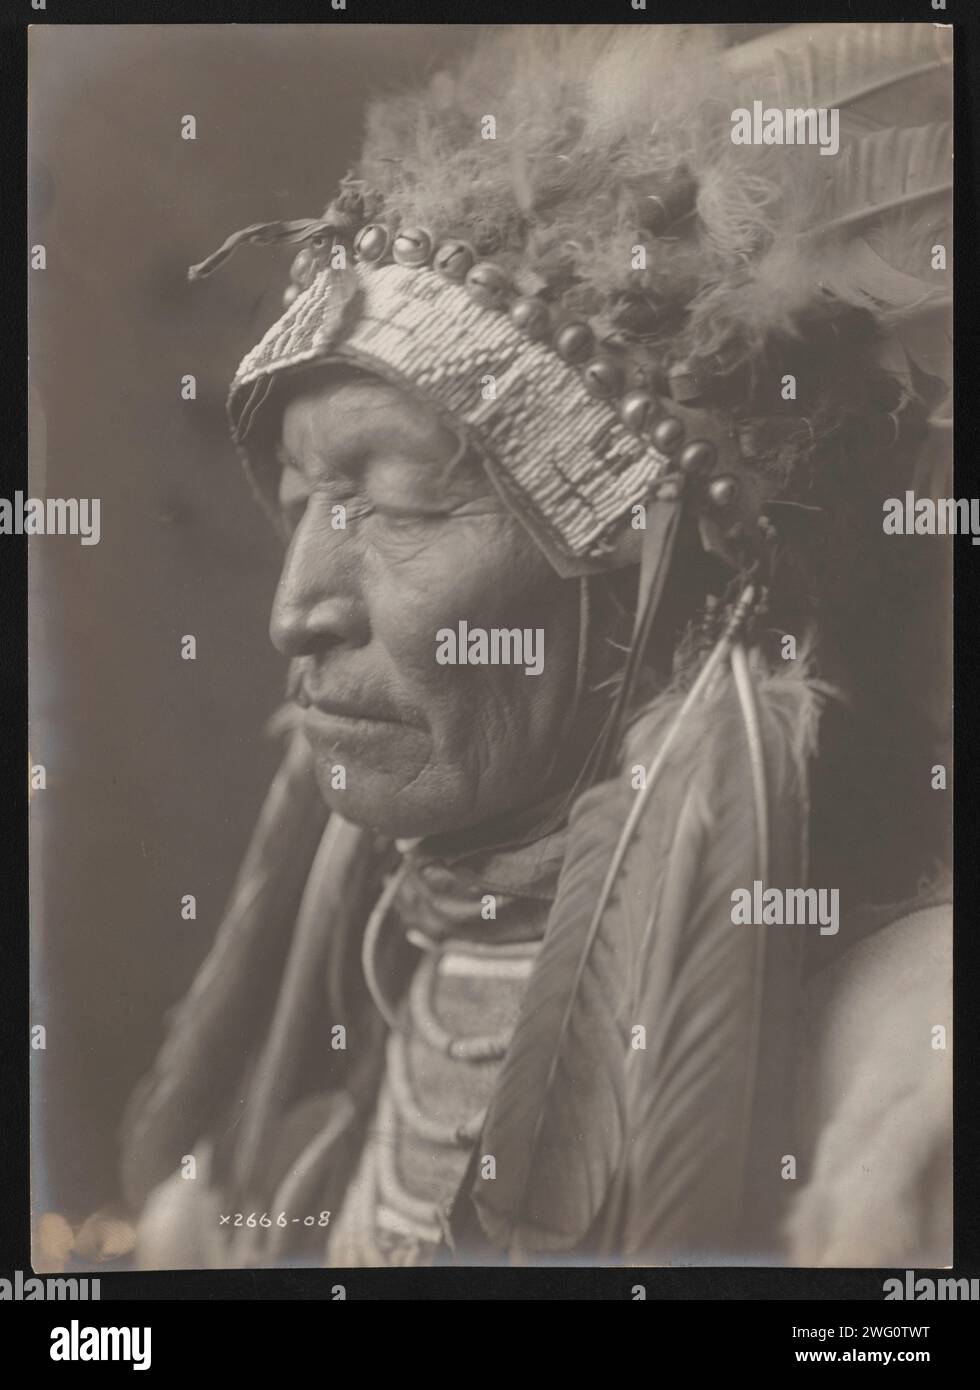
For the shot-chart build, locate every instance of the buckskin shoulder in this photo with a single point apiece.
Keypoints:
(875, 1102)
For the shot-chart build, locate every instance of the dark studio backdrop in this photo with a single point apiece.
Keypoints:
(155, 765)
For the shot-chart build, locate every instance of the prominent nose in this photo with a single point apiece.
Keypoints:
(318, 600)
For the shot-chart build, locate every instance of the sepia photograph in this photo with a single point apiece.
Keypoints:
(490, 523)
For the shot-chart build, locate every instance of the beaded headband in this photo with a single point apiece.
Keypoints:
(567, 429)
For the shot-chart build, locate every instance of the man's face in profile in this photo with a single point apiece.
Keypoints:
(426, 542)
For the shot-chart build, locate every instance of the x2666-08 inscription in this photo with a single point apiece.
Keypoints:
(238, 1218)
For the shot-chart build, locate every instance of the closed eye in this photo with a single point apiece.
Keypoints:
(295, 491)
(401, 516)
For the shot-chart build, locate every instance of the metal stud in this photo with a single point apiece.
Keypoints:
(531, 316)
(371, 242)
(304, 267)
(638, 410)
(722, 491)
(602, 377)
(453, 259)
(574, 341)
(697, 457)
(668, 434)
(412, 247)
(487, 284)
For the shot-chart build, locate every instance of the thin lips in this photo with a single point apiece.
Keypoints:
(346, 709)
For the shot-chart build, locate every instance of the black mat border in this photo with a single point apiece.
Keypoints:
(680, 1285)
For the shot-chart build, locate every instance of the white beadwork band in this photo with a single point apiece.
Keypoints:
(561, 457)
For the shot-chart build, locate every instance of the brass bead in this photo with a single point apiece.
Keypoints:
(638, 410)
(673, 200)
(722, 491)
(371, 242)
(290, 293)
(574, 341)
(530, 314)
(304, 267)
(412, 246)
(602, 377)
(487, 284)
(697, 457)
(668, 434)
(453, 259)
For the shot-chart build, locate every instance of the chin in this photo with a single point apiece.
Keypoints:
(398, 809)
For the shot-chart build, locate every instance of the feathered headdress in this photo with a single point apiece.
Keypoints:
(640, 270)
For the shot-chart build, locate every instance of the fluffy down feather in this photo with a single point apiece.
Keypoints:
(609, 137)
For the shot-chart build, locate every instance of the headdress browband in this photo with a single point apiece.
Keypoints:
(571, 428)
